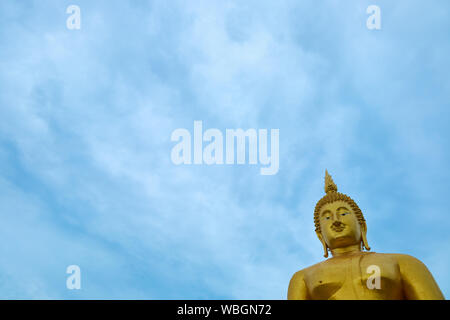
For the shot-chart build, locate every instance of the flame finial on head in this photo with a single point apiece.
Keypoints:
(329, 183)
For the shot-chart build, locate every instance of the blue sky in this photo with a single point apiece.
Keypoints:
(86, 118)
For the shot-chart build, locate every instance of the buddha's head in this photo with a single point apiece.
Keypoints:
(339, 221)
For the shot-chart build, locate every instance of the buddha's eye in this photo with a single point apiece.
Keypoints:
(327, 218)
(345, 213)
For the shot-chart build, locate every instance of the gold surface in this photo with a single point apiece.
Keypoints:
(351, 273)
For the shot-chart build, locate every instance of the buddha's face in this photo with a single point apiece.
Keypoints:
(339, 225)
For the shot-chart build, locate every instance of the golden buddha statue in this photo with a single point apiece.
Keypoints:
(351, 273)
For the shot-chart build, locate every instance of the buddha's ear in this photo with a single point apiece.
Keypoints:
(364, 237)
(324, 244)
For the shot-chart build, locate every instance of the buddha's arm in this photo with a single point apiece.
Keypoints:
(418, 283)
(297, 287)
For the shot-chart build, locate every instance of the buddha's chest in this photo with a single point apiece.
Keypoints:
(365, 277)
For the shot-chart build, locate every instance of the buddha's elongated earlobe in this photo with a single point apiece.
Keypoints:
(364, 238)
(325, 247)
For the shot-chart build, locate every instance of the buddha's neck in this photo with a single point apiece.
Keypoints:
(346, 250)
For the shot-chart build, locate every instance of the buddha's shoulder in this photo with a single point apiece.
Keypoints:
(299, 275)
(388, 257)
(396, 258)
(405, 262)
(402, 259)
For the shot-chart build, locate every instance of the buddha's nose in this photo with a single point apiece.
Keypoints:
(337, 223)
